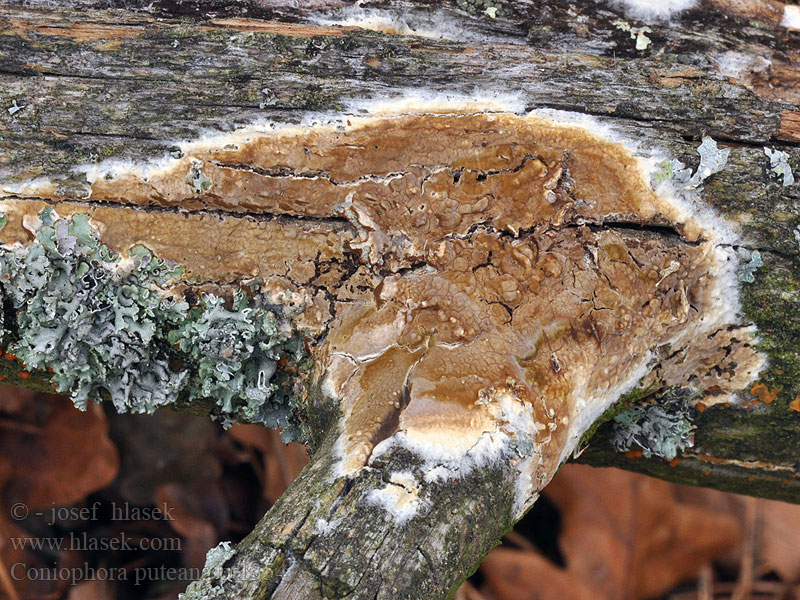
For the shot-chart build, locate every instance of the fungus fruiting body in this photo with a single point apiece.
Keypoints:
(510, 277)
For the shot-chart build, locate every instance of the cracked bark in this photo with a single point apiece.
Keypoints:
(98, 83)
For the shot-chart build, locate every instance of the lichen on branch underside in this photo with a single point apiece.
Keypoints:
(512, 276)
(108, 325)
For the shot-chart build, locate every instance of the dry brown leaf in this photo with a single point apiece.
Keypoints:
(777, 535)
(779, 542)
(95, 589)
(521, 575)
(251, 436)
(13, 399)
(468, 592)
(626, 536)
(68, 458)
(198, 515)
(8, 531)
(164, 448)
(13, 582)
(282, 462)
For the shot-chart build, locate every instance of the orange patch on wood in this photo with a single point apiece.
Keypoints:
(675, 78)
(23, 375)
(288, 29)
(763, 393)
(766, 11)
(91, 33)
(795, 404)
(634, 454)
(674, 462)
(789, 128)
(10, 356)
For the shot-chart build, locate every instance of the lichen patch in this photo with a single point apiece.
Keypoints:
(110, 324)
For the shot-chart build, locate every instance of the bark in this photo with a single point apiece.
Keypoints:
(134, 81)
(290, 555)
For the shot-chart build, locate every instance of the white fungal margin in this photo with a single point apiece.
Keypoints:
(791, 17)
(431, 24)
(589, 405)
(652, 10)
(737, 65)
(448, 455)
(421, 101)
(399, 497)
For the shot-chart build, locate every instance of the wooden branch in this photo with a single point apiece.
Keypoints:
(438, 289)
(345, 544)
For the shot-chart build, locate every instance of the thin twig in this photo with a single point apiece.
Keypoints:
(705, 583)
(8, 584)
(744, 585)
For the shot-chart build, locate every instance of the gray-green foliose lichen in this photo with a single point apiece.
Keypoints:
(196, 179)
(686, 184)
(779, 165)
(212, 571)
(748, 270)
(658, 429)
(107, 326)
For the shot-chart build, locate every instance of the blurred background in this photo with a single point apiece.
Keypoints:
(100, 506)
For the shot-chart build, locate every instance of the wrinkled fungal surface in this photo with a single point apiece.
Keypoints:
(475, 285)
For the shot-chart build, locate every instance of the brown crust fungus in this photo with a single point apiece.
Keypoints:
(503, 280)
